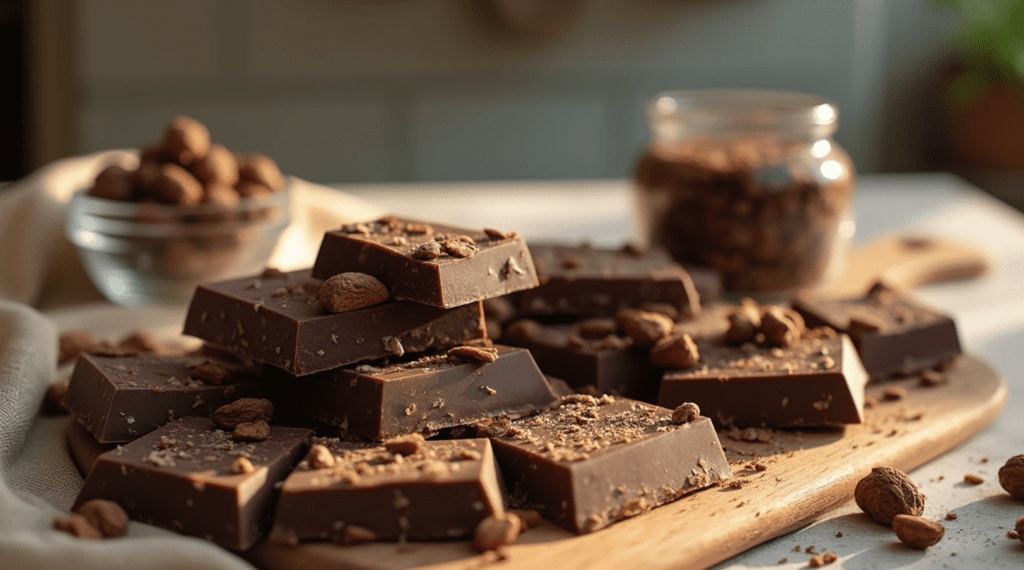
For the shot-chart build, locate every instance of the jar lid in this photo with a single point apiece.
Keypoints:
(674, 115)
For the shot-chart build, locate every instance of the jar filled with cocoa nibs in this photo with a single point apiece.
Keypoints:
(750, 183)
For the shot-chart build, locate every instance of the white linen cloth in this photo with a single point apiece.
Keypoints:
(39, 267)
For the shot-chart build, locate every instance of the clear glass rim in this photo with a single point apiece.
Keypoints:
(741, 110)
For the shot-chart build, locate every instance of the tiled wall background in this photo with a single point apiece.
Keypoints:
(394, 90)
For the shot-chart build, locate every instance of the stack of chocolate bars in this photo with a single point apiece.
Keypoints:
(378, 346)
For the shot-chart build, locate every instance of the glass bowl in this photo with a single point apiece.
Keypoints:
(139, 252)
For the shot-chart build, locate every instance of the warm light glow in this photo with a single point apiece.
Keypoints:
(820, 149)
(666, 105)
(831, 169)
(824, 114)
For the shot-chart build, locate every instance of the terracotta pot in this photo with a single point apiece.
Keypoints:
(988, 131)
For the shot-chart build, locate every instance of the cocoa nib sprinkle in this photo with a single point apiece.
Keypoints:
(580, 426)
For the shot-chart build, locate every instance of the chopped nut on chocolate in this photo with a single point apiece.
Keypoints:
(596, 329)
(498, 234)
(53, 404)
(427, 251)
(781, 327)
(355, 534)
(887, 492)
(405, 445)
(105, 516)
(350, 291)
(460, 246)
(211, 373)
(243, 410)
(474, 353)
(77, 526)
(319, 457)
(894, 393)
(685, 413)
(257, 430)
(496, 531)
(917, 532)
(242, 465)
(643, 327)
(972, 479)
(418, 228)
(675, 351)
(744, 323)
(1011, 476)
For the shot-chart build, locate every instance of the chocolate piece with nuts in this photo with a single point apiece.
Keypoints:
(610, 364)
(445, 266)
(183, 477)
(442, 490)
(894, 335)
(119, 398)
(583, 281)
(817, 381)
(566, 460)
(421, 395)
(277, 319)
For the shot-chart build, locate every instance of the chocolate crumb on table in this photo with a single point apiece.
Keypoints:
(434, 264)
(442, 490)
(972, 479)
(563, 461)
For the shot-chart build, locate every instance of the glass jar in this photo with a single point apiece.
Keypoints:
(749, 183)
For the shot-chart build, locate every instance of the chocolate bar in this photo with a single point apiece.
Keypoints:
(894, 335)
(432, 490)
(194, 479)
(276, 319)
(431, 263)
(819, 381)
(119, 398)
(584, 281)
(424, 395)
(707, 281)
(586, 354)
(593, 461)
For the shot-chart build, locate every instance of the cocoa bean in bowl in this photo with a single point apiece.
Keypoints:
(191, 212)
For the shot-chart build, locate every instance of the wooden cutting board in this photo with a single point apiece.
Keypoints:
(788, 477)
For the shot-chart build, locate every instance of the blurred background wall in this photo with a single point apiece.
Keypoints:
(396, 90)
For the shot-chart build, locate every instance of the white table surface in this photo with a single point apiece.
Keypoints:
(989, 312)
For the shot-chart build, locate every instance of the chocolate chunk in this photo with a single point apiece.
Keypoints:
(818, 381)
(894, 336)
(442, 491)
(459, 267)
(426, 394)
(190, 486)
(83, 447)
(599, 282)
(119, 398)
(578, 463)
(611, 364)
(278, 320)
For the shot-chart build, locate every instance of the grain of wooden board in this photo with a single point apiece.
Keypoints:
(786, 481)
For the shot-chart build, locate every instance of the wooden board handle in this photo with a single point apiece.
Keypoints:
(906, 262)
